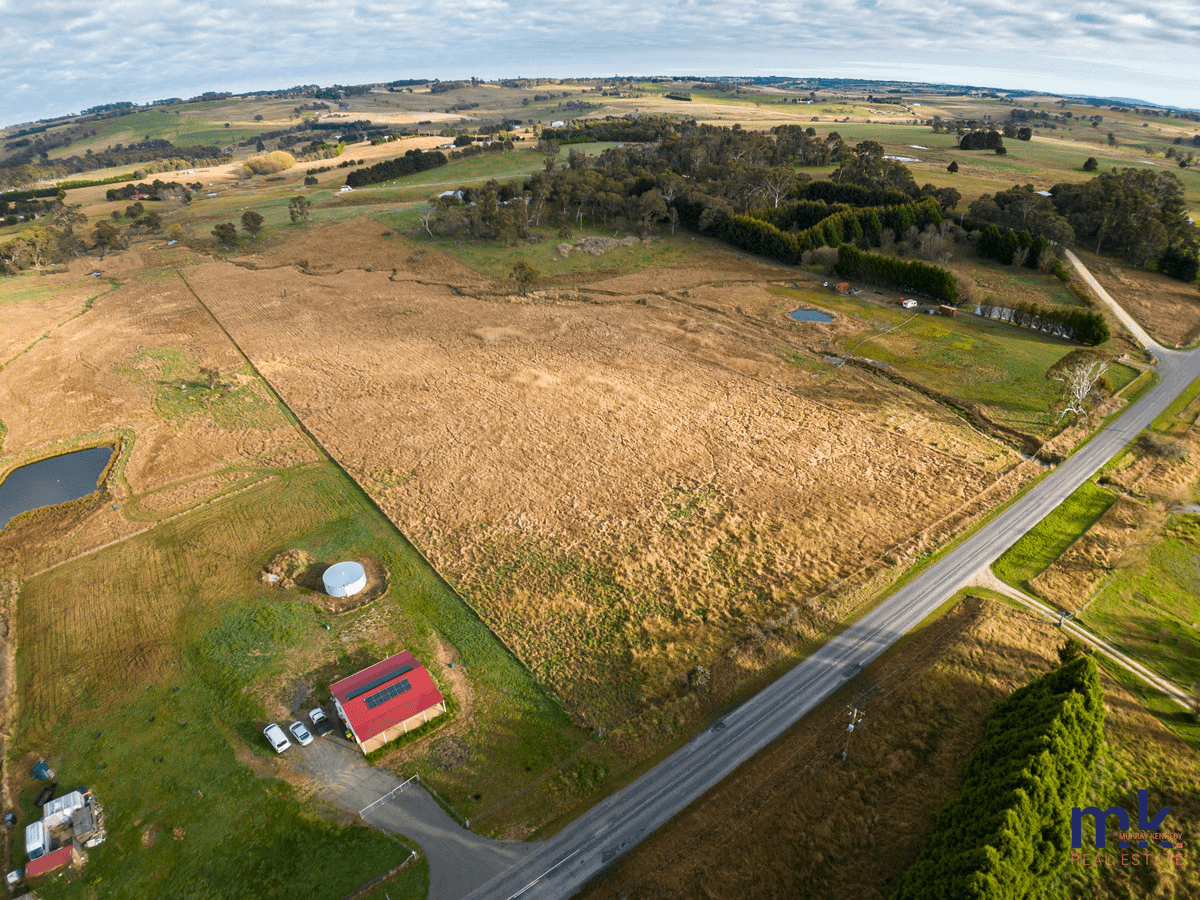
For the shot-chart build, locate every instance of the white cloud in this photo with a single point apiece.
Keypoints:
(78, 53)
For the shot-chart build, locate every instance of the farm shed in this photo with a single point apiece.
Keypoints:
(842, 287)
(344, 579)
(947, 310)
(387, 700)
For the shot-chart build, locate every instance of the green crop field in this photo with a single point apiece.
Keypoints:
(1050, 538)
(153, 687)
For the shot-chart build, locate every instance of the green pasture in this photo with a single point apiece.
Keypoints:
(170, 657)
(998, 366)
(1151, 608)
(1051, 537)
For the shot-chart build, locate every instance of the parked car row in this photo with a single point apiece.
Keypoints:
(279, 741)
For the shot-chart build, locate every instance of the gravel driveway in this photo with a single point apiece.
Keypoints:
(459, 861)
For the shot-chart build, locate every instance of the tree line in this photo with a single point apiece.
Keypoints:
(1013, 248)
(411, 162)
(911, 276)
(1086, 326)
(1139, 215)
(1008, 832)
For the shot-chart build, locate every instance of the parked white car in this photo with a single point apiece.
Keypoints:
(276, 738)
(318, 716)
(300, 733)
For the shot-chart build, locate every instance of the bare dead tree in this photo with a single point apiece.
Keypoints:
(1079, 373)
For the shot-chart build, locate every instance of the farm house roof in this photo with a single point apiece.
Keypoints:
(49, 862)
(385, 694)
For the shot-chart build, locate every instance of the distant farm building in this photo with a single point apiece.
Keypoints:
(387, 700)
(558, 123)
(842, 287)
(344, 579)
(947, 311)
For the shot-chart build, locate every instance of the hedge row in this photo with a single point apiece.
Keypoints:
(1008, 832)
(763, 231)
(411, 162)
(1083, 325)
(900, 274)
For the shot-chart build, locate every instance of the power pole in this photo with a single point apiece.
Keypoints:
(856, 718)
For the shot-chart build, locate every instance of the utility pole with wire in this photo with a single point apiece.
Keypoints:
(856, 718)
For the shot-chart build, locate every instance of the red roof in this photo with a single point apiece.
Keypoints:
(49, 862)
(395, 705)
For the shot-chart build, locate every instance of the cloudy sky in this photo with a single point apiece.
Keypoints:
(61, 56)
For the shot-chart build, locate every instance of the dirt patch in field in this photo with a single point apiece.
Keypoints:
(622, 489)
(1165, 307)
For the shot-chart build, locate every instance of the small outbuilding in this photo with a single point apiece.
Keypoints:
(387, 700)
(344, 579)
(842, 287)
(945, 310)
(66, 856)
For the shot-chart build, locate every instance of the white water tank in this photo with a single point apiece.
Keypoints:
(344, 579)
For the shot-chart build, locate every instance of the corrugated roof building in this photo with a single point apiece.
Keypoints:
(387, 700)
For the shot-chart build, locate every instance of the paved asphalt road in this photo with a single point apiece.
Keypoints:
(560, 866)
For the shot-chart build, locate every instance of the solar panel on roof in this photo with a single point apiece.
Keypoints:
(382, 679)
(388, 693)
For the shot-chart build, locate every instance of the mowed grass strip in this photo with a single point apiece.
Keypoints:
(1053, 535)
(143, 669)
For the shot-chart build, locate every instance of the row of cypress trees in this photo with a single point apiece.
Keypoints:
(902, 274)
(410, 162)
(1008, 832)
(766, 231)
(1083, 325)
(1010, 247)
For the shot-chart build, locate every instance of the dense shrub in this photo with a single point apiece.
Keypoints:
(269, 163)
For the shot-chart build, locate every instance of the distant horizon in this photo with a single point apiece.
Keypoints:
(194, 95)
(62, 56)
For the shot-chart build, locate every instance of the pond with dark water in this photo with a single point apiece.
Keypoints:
(811, 315)
(58, 479)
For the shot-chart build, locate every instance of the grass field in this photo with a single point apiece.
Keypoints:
(1053, 535)
(1000, 367)
(173, 656)
(493, 259)
(1151, 609)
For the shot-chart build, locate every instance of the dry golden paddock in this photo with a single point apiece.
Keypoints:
(625, 479)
